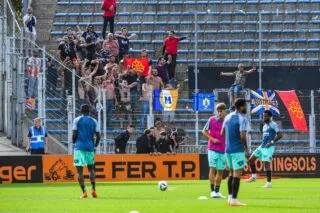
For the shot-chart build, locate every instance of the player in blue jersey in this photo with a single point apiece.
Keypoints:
(84, 130)
(234, 129)
(271, 134)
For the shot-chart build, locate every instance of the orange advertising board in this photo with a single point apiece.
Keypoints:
(59, 168)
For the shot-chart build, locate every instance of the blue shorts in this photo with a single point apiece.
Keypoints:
(217, 160)
(264, 154)
(236, 88)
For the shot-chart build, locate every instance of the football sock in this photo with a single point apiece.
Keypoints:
(253, 169)
(230, 180)
(212, 187)
(216, 189)
(93, 184)
(235, 187)
(269, 176)
(83, 188)
(81, 182)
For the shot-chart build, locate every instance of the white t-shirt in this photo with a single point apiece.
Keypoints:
(25, 18)
(34, 66)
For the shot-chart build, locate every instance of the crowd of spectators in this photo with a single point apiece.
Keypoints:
(98, 62)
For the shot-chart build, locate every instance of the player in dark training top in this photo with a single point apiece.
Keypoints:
(271, 134)
(84, 129)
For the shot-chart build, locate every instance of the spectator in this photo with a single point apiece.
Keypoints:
(109, 8)
(239, 82)
(113, 45)
(132, 78)
(158, 129)
(125, 103)
(163, 144)
(170, 47)
(105, 55)
(123, 41)
(152, 140)
(146, 97)
(168, 116)
(89, 47)
(52, 76)
(162, 68)
(110, 98)
(144, 54)
(37, 140)
(122, 140)
(155, 80)
(87, 76)
(143, 143)
(90, 33)
(70, 36)
(33, 68)
(30, 22)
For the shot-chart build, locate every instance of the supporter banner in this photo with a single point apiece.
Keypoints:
(283, 165)
(59, 168)
(263, 100)
(291, 101)
(141, 65)
(165, 100)
(203, 102)
(20, 169)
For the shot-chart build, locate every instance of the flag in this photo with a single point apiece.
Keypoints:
(30, 104)
(141, 65)
(291, 101)
(203, 102)
(264, 100)
(165, 100)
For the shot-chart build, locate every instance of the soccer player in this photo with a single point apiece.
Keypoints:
(84, 129)
(216, 149)
(235, 131)
(240, 80)
(271, 134)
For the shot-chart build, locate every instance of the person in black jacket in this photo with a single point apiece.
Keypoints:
(143, 143)
(122, 140)
(163, 144)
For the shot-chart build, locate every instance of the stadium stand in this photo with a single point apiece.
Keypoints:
(228, 34)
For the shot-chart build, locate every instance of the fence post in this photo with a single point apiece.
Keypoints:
(150, 121)
(1, 69)
(74, 92)
(43, 89)
(104, 104)
(99, 108)
(21, 101)
(40, 105)
(312, 126)
(247, 98)
(8, 71)
(70, 123)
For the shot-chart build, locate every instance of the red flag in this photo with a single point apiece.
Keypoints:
(291, 101)
(141, 65)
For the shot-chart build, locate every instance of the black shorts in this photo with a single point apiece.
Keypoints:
(37, 151)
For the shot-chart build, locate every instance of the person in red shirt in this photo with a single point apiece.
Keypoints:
(170, 47)
(109, 8)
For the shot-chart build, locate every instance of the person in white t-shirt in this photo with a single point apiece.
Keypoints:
(30, 22)
(33, 68)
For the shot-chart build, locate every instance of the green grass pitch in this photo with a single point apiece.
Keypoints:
(287, 195)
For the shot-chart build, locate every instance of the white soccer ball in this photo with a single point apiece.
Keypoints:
(163, 185)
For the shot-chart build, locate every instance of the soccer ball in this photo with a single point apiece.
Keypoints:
(163, 185)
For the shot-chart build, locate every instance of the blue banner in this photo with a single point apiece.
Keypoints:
(264, 100)
(203, 102)
(165, 100)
